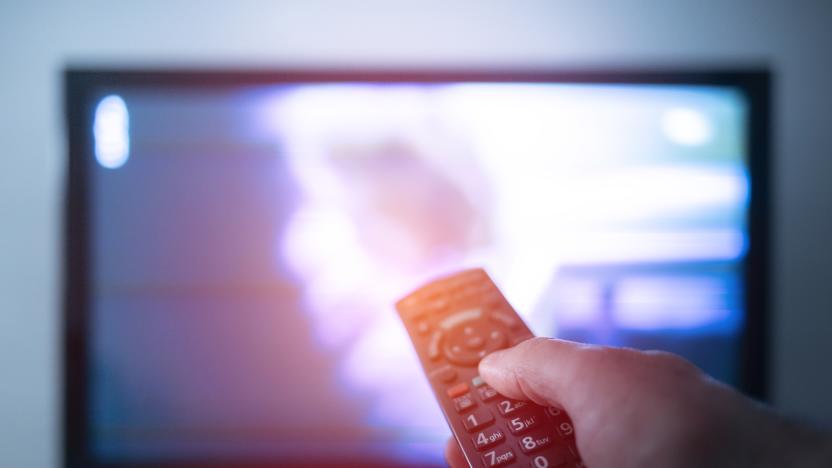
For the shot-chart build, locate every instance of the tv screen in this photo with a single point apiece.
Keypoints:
(244, 237)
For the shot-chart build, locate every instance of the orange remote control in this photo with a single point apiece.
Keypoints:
(453, 323)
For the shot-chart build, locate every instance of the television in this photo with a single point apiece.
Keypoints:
(235, 241)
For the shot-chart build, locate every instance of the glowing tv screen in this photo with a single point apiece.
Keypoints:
(246, 241)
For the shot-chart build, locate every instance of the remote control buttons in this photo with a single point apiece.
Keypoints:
(474, 342)
(436, 305)
(487, 393)
(506, 320)
(422, 327)
(468, 342)
(461, 318)
(554, 411)
(478, 419)
(534, 442)
(509, 407)
(464, 403)
(433, 345)
(523, 423)
(445, 374)
(457, 355)
(477, 381)
(422, 303)
(498, 457)
(458, 390)
(565, 429)
(488, 437)
(555, 457)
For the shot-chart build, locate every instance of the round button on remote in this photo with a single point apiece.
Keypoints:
(474, 342)
(471, 340)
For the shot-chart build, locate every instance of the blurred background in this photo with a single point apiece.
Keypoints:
(40, 39)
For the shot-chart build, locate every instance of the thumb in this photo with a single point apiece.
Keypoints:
(548, 372)
(574, 376)
(612, 394)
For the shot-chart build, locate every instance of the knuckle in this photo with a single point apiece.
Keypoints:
(536, 343)
(672, 363)
(605, 356)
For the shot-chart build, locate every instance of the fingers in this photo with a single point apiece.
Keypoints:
(612, 394)
(539, 369)
(554, 372)
(453, 455)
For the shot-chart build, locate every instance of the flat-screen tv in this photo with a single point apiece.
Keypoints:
(236, 240)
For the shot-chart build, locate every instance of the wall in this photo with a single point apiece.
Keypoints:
(38, 39)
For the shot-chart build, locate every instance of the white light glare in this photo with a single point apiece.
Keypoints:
(687, 126)
(111, 130)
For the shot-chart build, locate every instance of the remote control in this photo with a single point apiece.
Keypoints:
(453, 323)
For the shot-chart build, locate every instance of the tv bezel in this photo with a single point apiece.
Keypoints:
(82, 84)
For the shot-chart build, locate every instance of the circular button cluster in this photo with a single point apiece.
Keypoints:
(468, 342)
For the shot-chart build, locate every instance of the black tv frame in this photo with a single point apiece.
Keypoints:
(82, 84)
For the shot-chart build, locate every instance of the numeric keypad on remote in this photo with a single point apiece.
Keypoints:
(456, 321)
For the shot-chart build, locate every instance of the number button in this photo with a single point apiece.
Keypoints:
(534, 442)
(464, 403)
(488, 438)
(554, 411)
(565, 429)
(498, 457)
(508, 407)
(477, 419)
(523, 423)
(552, 458)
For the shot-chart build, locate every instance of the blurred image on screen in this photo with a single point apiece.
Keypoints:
(249, 242)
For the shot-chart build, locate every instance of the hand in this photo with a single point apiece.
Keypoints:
(634, 409)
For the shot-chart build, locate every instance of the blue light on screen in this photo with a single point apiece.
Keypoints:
(247, 260)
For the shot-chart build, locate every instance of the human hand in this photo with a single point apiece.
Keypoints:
(634, 409)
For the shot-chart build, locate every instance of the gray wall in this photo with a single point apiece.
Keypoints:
(38, 39)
